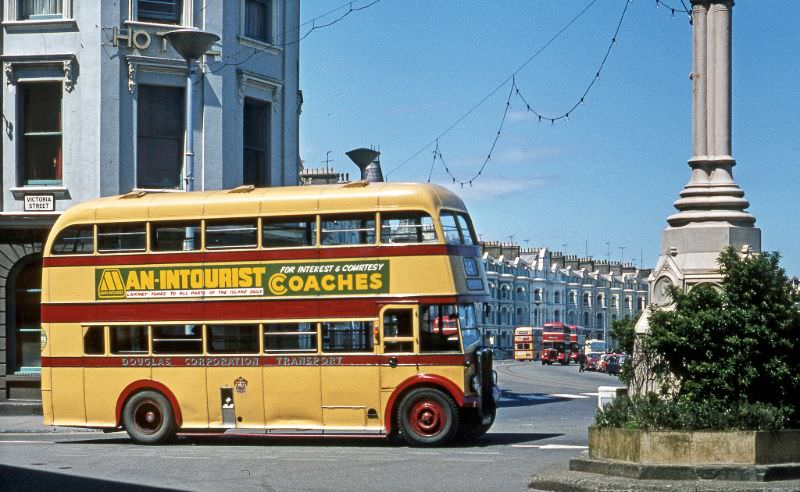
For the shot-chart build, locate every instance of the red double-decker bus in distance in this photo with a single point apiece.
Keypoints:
(577, 338)
(555, 343)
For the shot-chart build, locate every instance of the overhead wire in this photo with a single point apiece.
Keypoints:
(515, 90)
(499, 86)
(255, 50)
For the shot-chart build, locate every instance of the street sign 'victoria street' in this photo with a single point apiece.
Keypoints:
(40, 203)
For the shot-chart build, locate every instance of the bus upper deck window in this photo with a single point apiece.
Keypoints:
(288, 233)
(407, 227)
(450, 228)
(457, 228)
(119, 238)
(467, 233)
(74, 240)
(241, 233)
(342, 230)
(174, 236)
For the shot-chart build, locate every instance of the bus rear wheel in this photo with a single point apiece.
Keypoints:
(148, 418)
(427, 417)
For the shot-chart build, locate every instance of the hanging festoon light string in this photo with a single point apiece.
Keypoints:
(347, 7)
(488, 157)
(565, 115)
(552, 118)
(502, 84)
(683, 9)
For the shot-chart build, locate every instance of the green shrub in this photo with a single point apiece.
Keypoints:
(731, 354)
(651, 412)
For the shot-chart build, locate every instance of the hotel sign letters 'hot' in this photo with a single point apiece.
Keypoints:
(247, 280)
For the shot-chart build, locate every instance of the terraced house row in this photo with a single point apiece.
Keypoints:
(529, 287)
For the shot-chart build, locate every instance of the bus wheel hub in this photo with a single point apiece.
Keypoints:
(427, 417)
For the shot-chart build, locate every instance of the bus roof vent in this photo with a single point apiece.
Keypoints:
(356, 184)
(243, 189)
(133, 194)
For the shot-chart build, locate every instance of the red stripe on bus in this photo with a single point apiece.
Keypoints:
(197, 310)
(253, 360)
(262, 255)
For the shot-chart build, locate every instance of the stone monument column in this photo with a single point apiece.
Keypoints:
(711, 208)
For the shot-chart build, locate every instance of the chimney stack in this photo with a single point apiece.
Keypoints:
(369, 162)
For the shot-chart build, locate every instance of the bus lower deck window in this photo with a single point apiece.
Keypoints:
(128, 340)
(178, 339)
(94, 340)
(347, 336)
(232, 339)
(290, 337)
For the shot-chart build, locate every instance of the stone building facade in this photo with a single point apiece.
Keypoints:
(93, 105)
(529, 287)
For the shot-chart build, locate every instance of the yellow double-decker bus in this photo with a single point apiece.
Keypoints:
(333, 310)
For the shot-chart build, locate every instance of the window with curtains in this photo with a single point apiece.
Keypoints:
(39, 9)
(258, 20)
(40, 150)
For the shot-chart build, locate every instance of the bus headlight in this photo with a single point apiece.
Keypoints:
(476, 384)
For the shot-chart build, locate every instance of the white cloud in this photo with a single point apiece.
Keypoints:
(490, 188)
(520, 154)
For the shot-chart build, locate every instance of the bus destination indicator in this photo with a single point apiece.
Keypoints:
(244, 280)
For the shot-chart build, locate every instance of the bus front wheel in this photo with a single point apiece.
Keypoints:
(427, 417)
(148, 418)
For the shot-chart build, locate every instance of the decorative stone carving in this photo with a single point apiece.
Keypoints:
(9, 69)
(260, 83)
(69, 82)
(661, 295)
(131, 77)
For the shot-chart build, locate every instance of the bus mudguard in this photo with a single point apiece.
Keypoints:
(148, 384)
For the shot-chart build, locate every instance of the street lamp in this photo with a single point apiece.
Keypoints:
(190, 44)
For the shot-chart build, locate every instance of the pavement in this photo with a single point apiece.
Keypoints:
(32, 424)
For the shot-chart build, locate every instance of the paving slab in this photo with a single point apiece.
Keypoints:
(574, 481)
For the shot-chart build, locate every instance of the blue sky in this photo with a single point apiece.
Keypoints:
(397, 74)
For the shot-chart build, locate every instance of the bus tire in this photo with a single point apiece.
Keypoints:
(427, 417)
(148, 418)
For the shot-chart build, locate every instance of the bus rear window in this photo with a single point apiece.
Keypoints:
(174, 236)
(232, 234)
(74, 240)
(288, 233)
(347, 230)
(407, 227)
(121, 238)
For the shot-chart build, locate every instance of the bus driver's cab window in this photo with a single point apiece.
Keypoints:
(398, 331)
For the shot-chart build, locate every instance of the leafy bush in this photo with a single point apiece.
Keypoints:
(731, 354)
(623, 331)
(651, 412)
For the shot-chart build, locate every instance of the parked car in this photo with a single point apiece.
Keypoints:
(613, 365)
(592, 359)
